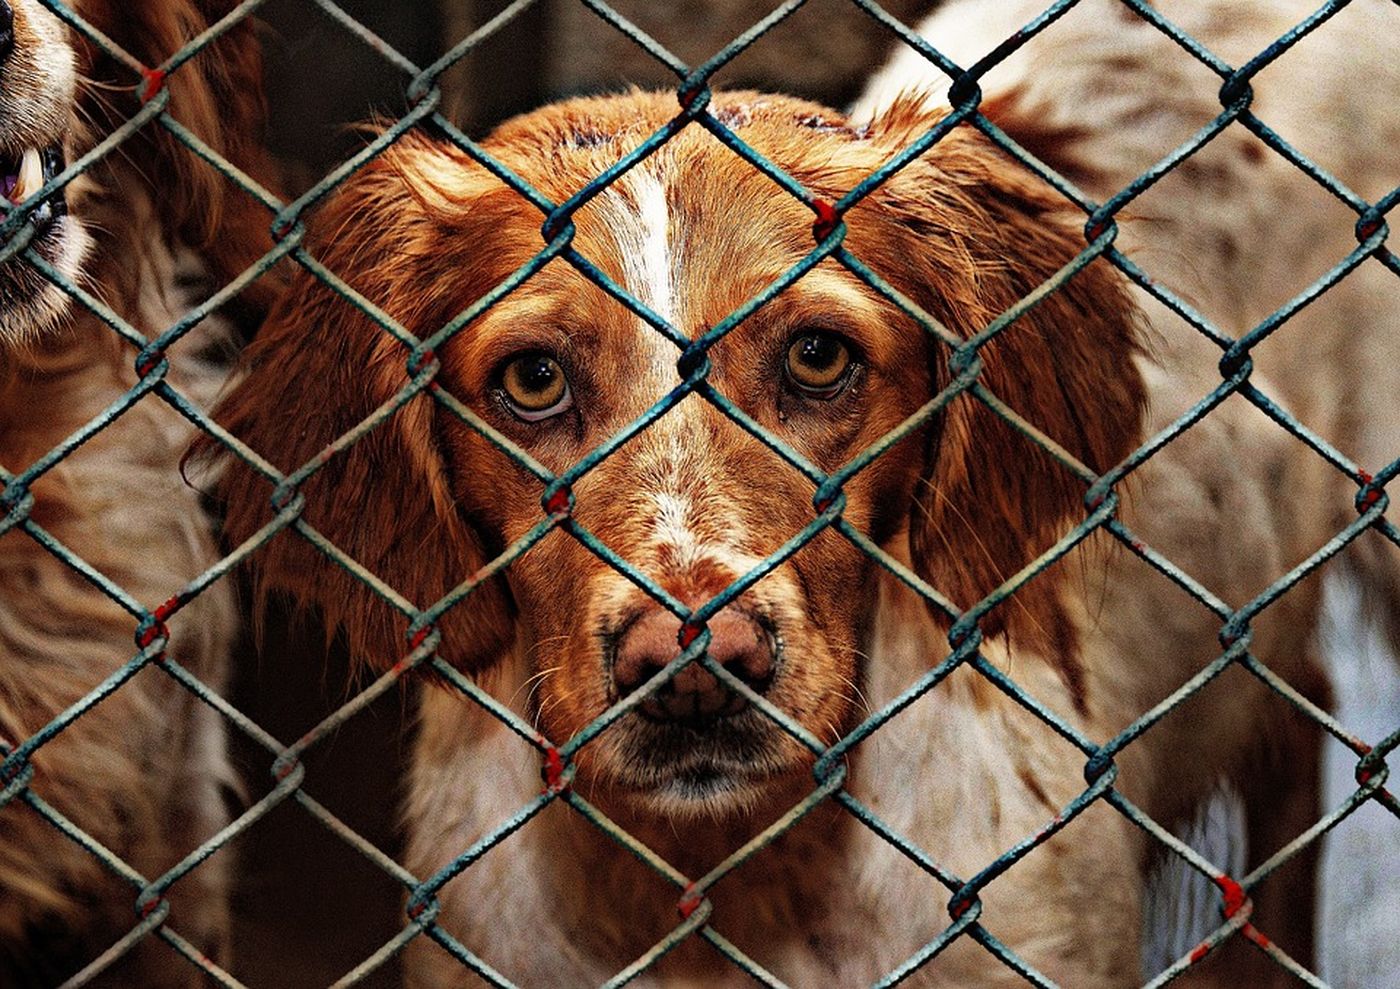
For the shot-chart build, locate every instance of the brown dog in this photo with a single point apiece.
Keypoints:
(695, 769)
(150, 231)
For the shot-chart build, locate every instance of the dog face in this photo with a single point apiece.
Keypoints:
(38, 80)
(694, 501)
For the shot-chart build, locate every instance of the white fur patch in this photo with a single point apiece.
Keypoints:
(640, 222)
(1182, 906)
(656, 262)
(672, 525)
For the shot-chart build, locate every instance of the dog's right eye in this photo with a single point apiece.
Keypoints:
(819, 364)
(534, 387)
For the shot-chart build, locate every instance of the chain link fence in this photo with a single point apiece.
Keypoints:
(557, 757)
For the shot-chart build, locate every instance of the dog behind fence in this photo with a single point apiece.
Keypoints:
(357, 456)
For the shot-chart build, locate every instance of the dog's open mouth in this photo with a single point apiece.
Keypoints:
(29, 304)
(25, 173)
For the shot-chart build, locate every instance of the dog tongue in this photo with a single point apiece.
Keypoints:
(7, 184)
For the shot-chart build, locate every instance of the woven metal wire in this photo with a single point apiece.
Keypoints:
(17, 782)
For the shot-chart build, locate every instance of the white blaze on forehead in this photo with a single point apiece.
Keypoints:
(640, 220)
(672, 525)
(685, 551)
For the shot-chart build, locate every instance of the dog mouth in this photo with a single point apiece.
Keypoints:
(24, 173)
(710, 767)
(29, 304)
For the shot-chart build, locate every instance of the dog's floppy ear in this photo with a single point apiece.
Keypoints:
(217, 94)
(319, 366)
(986, 235)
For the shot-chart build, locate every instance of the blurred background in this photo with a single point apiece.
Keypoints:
(554, 48)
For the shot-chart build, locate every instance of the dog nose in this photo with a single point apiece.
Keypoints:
(694, 696)
(7, 30)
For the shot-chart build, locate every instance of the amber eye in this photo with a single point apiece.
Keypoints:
(534, 386)
(818, 364)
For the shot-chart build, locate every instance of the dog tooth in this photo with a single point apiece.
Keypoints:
(31, 176)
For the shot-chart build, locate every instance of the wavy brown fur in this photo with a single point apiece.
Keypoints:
(142, 771)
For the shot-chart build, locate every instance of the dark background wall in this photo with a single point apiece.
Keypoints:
(309, 908)
(321, 78)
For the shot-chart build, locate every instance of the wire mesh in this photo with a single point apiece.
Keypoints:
(558, 756)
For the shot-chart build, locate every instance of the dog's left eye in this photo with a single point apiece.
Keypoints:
(819, 364)
(534, 387)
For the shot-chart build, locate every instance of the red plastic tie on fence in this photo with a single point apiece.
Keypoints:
(155, 79)
(960, 904)
(690, 901)
(167, 608)
(690, 631)
(420, 636)
(1096, 502)
(149, 634)
(558, 503)
(1096, 229)
(1235, 896)
(826, 220)
(403, 663)
(1235, 900)
(1363, 775)
(417, 364)
(553, 771)
(285, 770)
(1257, 936)
(150, 363)
(1369, 499)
